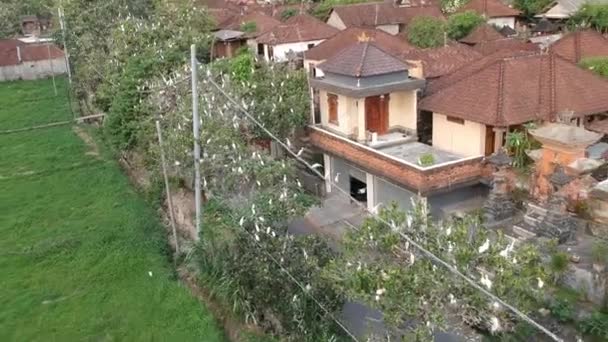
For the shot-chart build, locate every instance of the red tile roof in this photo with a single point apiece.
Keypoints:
(515, 90)
(393, 45)
(490, 8)
(363, 59)
(578, 45)
(263, 23)
(482, 33)
(440, 61)
(511, 44)
(299, 28)
(383, 13)
(29, 52)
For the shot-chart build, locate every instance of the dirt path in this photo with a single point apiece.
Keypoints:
(88, 140)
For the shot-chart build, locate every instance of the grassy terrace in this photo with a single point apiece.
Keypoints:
(82, 255)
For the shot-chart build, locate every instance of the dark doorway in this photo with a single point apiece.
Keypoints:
(376, 114)
(489, 140)
(425, 127)
(260, 49)
(358, 189)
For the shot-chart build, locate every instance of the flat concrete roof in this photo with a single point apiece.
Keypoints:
(411, 151)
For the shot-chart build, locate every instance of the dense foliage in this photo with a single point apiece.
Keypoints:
(461, 24)
(530, 8)
(591, 16)
(597, 65)
(323, 9)
(426, 32)
(11, 12)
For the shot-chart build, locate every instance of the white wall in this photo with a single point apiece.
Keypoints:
(502, 21)
(390, 28)
(318, 71)
(402, 109)
(347, 113)
(33, 70)
(280, 51)
(335, 21)
(468, 139)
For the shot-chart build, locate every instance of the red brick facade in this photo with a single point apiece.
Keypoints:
(422, 181)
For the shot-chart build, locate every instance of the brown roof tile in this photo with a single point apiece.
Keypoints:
(490, 8)
(384, 13)
(394, 45)
(263, 23)
(578, 45)
(29, 52)
(515, 90)
(299, 28)
(363, 59)
(482, 33)
(512, 44)
(439, 61)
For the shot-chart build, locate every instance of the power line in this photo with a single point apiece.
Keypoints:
(425, 251)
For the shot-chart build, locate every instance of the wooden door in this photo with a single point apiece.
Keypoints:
(490, 140)
(376, 114)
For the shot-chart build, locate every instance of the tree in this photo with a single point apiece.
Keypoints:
(461, 24)
(288, 13)
(426, 32)
(593, 16)
(12, 10)
(597, 65)
(530, 8)
(322, 10)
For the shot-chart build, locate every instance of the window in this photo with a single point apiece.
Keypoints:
(310, 46)
(261, 49)
(332, 108)
(455, 120)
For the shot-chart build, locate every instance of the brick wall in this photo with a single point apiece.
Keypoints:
(423, 181)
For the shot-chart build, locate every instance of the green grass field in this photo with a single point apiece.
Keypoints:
(77, 243)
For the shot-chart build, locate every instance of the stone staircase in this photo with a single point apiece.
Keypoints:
(528, 228)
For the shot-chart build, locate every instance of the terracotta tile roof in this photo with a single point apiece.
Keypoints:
(578, 45)
(29, 52)
(263, 23)
(440, 61)
(515, 90)
(222, 16)
(511, 44)
(482, 33)
(393, 45)
(507, 31)
(490, 8)
(299, 28)
(469, 68)
(384, 13)
(363, 59)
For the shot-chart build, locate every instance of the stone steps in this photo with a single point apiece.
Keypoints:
(523, 233)
(531, 207)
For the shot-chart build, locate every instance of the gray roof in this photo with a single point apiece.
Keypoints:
(566, 8)
(362, 60)
(224, 35)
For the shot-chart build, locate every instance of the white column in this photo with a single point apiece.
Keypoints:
(361, 134)
(498, 132)
(328, 173)
(371, 193)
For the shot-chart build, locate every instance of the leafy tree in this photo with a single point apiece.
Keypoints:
(323, 9)
(461, 24)
(11, 12)
(426, 32)
(288, 13)
(597, 65)
(530, 8)
(249, 27)
(450, 6)
(593, 16)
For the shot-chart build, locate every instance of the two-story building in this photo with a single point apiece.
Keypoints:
(367, 132)
(495, 12)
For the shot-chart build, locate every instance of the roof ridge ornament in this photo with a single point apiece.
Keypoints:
(363, 37)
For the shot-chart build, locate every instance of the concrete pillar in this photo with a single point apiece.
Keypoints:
(361, 129)
(328, 172)
(371, 191)
(498, 133)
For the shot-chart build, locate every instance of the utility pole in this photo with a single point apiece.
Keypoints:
(167, 188)
(65, 45)
(48, 49)
(197, 136)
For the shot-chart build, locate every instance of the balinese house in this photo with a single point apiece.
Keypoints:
(495, 12)
(561, 10)
(482, 33)
(296, 35)
(253, 25)
(367, 134)
(226, 43)
(472, 114)
(392, 17)
(394, 45)
(579, 45)
(32, 25)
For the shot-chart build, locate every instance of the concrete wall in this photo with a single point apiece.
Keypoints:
(386, 193)
(280, 50)
(33, 70)
(391, 28)
(502, 21)
(308, 62)
(335, 21)
(402, 111)
(466, 139)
